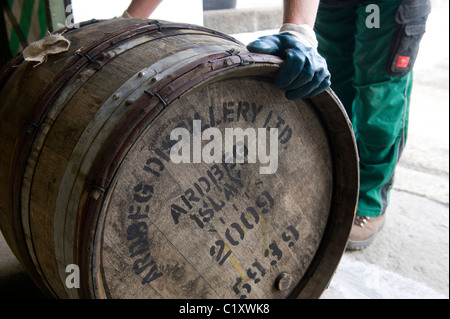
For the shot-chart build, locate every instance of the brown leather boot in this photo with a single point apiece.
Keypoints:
(364, 231)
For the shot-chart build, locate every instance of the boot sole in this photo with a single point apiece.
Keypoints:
(359, 245)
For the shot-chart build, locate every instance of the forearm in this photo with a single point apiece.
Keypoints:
(300, 11)
(142, 8)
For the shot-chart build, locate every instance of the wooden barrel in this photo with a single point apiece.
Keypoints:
(116, 161)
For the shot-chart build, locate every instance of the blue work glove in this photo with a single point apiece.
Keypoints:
(304, 72)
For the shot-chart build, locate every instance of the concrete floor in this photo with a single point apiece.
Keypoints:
(410, 257)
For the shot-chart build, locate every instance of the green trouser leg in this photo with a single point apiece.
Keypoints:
(377, 103)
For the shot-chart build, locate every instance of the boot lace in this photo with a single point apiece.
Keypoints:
(361, 221)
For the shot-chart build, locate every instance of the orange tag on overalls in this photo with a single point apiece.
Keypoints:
(402, 62)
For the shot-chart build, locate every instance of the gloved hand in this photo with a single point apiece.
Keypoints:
(304, 72)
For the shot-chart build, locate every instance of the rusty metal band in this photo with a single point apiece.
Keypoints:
(142, 112)
(41, 108)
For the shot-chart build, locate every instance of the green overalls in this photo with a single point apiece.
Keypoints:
(370, 54)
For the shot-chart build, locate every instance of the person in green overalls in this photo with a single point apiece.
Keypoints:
(370, 48)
